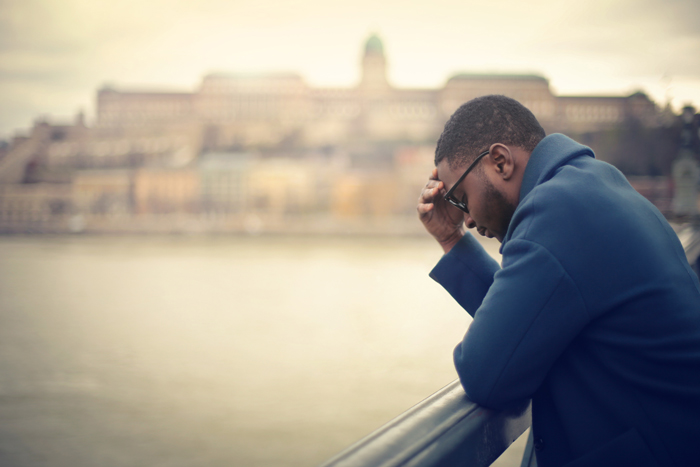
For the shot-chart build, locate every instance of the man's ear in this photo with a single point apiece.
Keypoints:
(502, 160)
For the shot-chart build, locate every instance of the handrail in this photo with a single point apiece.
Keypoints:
(689, 236)
(445, 429)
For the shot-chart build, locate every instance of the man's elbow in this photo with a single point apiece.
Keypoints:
(472, 378)
(480, 385)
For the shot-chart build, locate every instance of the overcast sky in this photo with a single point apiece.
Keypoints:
(55, 54)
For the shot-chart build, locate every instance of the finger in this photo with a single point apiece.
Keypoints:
(424, 208)
(427, 195)
(434, 184)
(433, 174)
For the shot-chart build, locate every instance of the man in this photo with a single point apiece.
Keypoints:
(595, 314)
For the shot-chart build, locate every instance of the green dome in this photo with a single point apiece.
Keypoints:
(374, 45)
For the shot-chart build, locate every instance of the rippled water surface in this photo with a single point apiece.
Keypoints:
(214, 351)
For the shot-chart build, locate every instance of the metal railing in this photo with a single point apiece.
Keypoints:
(447, 429)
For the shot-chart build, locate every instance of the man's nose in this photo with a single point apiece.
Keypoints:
(469, 222)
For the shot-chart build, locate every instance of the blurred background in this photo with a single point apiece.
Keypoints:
(210, 252)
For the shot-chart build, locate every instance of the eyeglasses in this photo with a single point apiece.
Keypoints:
(451, 199)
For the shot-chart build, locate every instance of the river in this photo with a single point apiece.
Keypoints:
(214, 351)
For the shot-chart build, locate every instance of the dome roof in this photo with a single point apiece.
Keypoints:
(374, 45)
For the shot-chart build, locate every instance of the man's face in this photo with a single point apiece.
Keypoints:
(489, 210)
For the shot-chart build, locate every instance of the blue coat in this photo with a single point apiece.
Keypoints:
(595, 316)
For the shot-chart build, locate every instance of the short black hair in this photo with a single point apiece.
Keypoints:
(483, 121)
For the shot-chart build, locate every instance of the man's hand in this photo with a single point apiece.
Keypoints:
(442, 220)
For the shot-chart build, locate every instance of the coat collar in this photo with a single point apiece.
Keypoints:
(553, 152)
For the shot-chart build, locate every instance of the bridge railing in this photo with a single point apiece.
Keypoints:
(446, 429)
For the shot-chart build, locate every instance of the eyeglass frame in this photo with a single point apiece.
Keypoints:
(454, 201)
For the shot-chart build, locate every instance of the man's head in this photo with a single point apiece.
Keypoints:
(508, 132)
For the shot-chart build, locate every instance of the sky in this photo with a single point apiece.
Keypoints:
(55, 54)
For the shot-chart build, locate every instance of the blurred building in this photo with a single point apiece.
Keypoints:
(281, 187)
(103, 193)
(413, 165)
(223, 182)
(363, 194)
(242, 110)
(35, 208)
(268, 151)
(166, 191)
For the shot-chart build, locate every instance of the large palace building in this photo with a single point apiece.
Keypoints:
(243, 110)
(263, 152)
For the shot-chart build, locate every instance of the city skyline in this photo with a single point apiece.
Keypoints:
(55, 56)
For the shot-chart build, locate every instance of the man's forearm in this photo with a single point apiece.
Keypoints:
(466, 272)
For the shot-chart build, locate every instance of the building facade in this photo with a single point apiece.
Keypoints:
(251, 152)
(243, 110)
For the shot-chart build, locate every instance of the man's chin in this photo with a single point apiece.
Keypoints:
(490, 234)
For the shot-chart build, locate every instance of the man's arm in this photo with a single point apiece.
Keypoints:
(531, 312)
(524, 314)
(466, 272)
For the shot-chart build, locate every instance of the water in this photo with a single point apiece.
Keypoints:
(214, 351)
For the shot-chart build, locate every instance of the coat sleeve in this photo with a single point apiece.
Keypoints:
(466, 272)
(530, 314)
